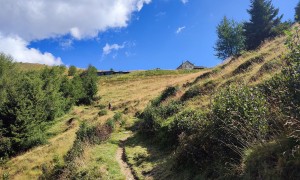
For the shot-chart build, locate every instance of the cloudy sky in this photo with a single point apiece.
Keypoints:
(118, 34)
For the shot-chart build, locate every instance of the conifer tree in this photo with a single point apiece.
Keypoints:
(89, 80)
(72, 70)
(263, 18)
(297, 12)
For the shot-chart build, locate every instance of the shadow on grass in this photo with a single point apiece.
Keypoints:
(149, 159)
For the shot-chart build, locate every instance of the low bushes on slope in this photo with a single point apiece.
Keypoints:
(196, 90)
(280, 158)
(249, 132)
(271, 160)
(168, 92)
(246, 66)
(154, 116)
(237, 120)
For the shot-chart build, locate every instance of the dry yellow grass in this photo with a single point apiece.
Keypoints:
(272, 50)
(135, 93)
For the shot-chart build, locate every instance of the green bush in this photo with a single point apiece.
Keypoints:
(101, 106)
(154, 116)
(117, 116)
(72, 70)
(111, 123)
(189, 121)
(116, 119)
(273, 159)
(241, 103)
(168, 92)
(85, 135)
(240, 114)
(191, 92)
(197, 90)
(102, 112)
(237, 120)
(246, 66)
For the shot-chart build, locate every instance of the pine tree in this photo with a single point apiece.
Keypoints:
(297, 12)
(263, 19)
(72, 70)
(231, 40)
(89, 80)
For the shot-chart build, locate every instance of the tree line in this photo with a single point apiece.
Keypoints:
(31, 100)
(265, 22)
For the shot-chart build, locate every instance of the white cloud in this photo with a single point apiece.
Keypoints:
(65, 43)
(184, 1)
(40, 19)
(18, 49)
(180, 29)
(32, 20)
(107, 49)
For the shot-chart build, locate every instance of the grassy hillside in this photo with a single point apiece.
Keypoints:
(173, 101)
(124, 91)
(229, 122)
(30, 66)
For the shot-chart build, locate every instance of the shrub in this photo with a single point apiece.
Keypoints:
(191, 92)
(273, 159)
(153, 116)
(111, 123)
(101, 106)
(102, 112)
(169, 109)
(197, 90)
(117, 116)
(72, 70)
(246, 66)
(168, 92)
(189, 121)
(85, 135)
(238, 119)
(241, 107)
(203, 76)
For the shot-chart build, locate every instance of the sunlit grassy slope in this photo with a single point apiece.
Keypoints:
(151, 162)
(130, 94)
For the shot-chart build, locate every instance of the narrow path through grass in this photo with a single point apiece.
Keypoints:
(121, 158)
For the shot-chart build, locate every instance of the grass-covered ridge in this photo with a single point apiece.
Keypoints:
(238, 120)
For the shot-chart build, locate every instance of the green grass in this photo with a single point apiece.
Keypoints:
(100, 160)
(146, 158)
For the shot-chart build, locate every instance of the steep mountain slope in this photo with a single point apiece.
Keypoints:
(157, 152)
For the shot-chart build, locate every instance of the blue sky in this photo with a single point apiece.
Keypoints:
(156, 34)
